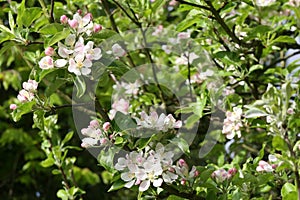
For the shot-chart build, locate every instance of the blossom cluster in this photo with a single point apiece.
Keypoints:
(221, 175)
(95, 136)
(264, 166)
(233, 123)
(182, 169)
(74, 52)
(161, 123)
(146, 168)
(27, 93)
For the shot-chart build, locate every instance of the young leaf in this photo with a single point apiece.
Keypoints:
(22, 110)
(80, 86)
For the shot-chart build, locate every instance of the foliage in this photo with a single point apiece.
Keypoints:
(190, 99)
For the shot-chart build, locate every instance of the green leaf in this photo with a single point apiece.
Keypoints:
(156, 5)
(289, 192)
(21, 10)
(67, 138)
(57, 37)
(174, 197)
(11, 21)
(255, 112)
(117, 185)
(106, 158)
(51, 29)
(182, 144)
(22, 109)
(255, 67)
(279, 144)
(62, 194)
(284, 39)
(48, 162)
(30, 15)
(187, 23)
(191, 120)
(80, 86)
(260, 155)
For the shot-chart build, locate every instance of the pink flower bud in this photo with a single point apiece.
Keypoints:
(13, 106)
(183, 182)
(181, 162)
(79, 11)
(274, 166)
(106, 126)
(111, 136)
(232, 171)
(196, 173)
(290, 111)
(94, 123)
(64, 19)
(49, 51)
(97, 28)
(73, 23)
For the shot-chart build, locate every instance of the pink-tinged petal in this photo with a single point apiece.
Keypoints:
(97, 28)
(49, 51)
(129, 184)
(127, 176)
(178, 124)
(87, 63)
(46, 63)
(64, 19)
(85, 71)
(106, 126)
(157, 182)
(86, 19)
(144, 185)
(73, 23)
(60, 63)
(259, 169)
(12, 106)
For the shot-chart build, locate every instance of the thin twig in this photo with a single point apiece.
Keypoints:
(52, 11)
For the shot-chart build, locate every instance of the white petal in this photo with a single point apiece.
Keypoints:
(127, 176)
(157, 182)
(144, 185)
(61, 62)
(129, 184)
(85, 71)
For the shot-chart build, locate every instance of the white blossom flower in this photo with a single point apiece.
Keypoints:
(131, 88)
(120, 105)
(263, 166)
(79, 65)
(118, 51)
(160, 123)
(92, 54)
(93, 135)
(30, 85)
(25, 96)
(232, 123)
(264, 3)
(46, 63)
(146, 169)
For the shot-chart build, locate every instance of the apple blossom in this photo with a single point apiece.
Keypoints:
(264, 3)
(94, 136)
(263, 166)
(118, 51)
(46, 63)
(79, 65)
(106, 126)
(49, 51)
(30, 85)
(73, 23)
(92, 54)
(146, 168)
(232, 123)
(13, 106)
(97, 28)
(64, 19)
(120, 105)
(25, 96)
